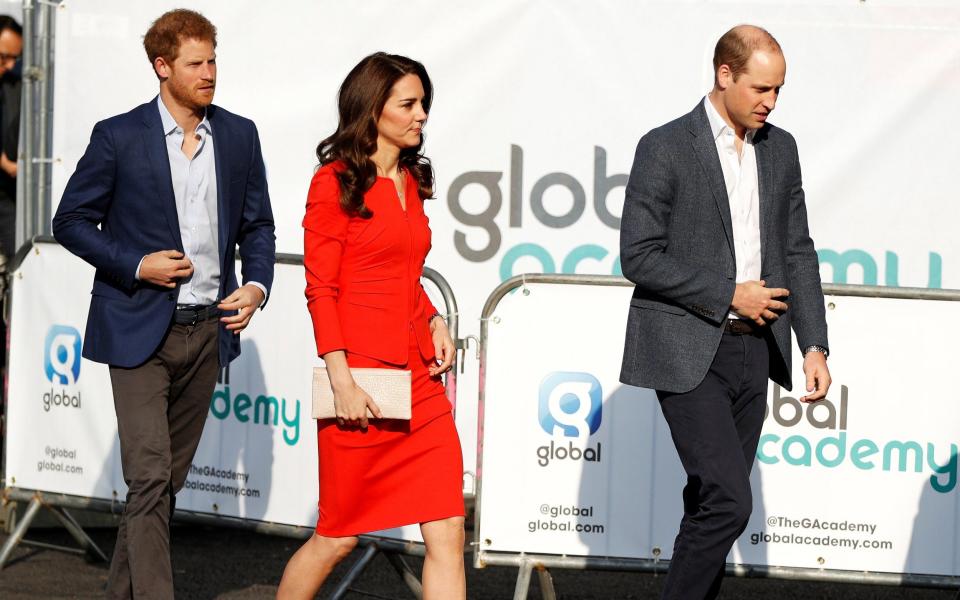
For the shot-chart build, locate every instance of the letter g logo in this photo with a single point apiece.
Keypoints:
(61, 355)
(571, 404)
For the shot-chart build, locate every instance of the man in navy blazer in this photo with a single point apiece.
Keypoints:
(159, 202)
(714, 235)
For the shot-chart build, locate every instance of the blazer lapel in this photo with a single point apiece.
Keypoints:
(221, 145)
(706, 151)
(155, 144)
(765, 170)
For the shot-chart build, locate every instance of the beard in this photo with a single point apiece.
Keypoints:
(192, 98)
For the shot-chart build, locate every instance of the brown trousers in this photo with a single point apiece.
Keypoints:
(161, 408)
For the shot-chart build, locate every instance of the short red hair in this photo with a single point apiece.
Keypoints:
(164, 37)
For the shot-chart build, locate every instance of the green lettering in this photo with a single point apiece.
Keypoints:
(841, 264)
(839, 442)
(949, 469)
(903, 448)
(860, 450)
(797, 440)
(265, 403)
(292, 423)
(762, 456)
(579, 254)
(223, 395)
(526, 249)
(240, 405)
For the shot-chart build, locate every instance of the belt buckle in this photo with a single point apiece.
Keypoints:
(195, 319)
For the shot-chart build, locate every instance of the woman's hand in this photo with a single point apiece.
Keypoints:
(442, 345)
(351, 406)
(350, 402)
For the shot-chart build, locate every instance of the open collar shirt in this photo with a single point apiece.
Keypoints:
(743, 193)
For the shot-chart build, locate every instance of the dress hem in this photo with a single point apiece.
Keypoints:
(392, 525)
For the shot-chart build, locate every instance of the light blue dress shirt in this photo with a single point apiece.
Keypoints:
(195, 193)
(195, 190)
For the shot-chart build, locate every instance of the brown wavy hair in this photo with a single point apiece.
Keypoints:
(360, 103)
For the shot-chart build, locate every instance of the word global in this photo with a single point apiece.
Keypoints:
(61, 398)
(570, 452)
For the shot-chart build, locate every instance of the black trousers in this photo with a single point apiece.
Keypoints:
(161, 409)
(716, 428)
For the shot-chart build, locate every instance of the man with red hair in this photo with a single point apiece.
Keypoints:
(159, 203)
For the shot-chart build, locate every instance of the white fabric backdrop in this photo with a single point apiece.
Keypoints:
(871, 96)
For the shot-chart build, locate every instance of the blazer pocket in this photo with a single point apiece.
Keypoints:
(656, 305)
(104, 289)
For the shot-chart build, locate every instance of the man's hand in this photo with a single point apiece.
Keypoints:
(9, 167)
(165, 267)
(442, 345)
(818, 376)
(753, 300)
(245, 299)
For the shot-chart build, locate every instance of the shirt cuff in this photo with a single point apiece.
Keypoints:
(262, 287)
(136, 275)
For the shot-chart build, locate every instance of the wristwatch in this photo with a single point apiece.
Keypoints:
(821, 349)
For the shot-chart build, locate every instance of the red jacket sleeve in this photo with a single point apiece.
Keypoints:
(324, 237)
(426, 308)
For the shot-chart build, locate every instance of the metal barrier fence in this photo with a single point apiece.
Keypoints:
(542, 562)
(36, 117)
(60, 504)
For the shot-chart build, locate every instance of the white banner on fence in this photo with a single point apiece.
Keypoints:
(538, 109)
(576, 463)
(258, 455)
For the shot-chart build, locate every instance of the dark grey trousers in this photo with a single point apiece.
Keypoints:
(716, 429)
(161, 409)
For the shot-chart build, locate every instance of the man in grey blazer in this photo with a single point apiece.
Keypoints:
(714, 235)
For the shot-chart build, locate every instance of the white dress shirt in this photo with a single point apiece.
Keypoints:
(743, 194)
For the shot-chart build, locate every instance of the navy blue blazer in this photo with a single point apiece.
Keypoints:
(119, 206)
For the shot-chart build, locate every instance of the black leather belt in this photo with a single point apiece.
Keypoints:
(742, 327)
(191, 314)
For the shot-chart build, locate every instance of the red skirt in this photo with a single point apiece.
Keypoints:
(396, 472)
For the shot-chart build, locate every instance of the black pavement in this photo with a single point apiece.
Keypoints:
(223, 563)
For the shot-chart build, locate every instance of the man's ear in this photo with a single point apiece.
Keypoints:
(724, 77)
(161, 67)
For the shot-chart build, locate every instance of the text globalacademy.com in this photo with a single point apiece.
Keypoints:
(762, 537)
(212, 472)
(817, 537)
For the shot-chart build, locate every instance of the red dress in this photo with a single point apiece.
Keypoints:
(364, 296)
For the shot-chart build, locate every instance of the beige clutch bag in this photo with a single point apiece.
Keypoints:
(389, 388)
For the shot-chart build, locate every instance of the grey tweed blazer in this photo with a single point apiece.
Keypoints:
(676, 245)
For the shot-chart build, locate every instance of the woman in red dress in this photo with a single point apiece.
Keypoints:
(365, 240)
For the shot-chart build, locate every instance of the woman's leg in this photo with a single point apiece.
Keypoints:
(443, 575)
(311, 564)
